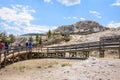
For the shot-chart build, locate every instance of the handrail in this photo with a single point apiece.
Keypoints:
(85, 45)
(64, 48)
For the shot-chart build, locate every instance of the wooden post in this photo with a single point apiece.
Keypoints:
(41, 47)
(101, 51)
(26, 54)
(30, 52)
(0, 59)
(70, 53)
(56, 53)
(87, 54)
(101, 55)
(75, 54)
(47, 52)
(19, 56)
(64, 54)
(13, 57)
(84, 54)
(119, 50)
(4, 58)
(17, 50)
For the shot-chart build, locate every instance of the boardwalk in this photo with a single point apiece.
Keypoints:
(67, 51)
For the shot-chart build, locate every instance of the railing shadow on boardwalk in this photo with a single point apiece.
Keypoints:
(74, 51)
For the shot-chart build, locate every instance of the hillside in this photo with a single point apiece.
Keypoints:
(81, 27)
(82, 31)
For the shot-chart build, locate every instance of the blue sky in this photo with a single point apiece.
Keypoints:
(29, 16)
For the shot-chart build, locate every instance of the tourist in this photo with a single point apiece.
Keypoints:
(1, 46)
(26, 44)
(30, 45)
(6, 47)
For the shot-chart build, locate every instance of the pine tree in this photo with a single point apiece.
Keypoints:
(31, 38)
(49, 34)
(12, 38)
(40, 40)
(3, 37)
(37, 38)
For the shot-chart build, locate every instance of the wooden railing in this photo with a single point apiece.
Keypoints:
(19, 51)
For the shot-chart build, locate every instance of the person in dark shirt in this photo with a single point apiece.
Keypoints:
(6, 47)
(26, 44)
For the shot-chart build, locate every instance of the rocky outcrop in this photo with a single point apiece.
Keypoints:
(81, 27)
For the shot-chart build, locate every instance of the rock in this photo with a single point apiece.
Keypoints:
(92, 58)
(81, 27)
(111, 65)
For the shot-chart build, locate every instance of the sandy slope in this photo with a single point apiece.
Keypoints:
(92, 37)
(63, 69)
(77, 39)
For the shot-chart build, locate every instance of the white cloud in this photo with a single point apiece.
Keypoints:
(48, 1)
(113, 24)
(96, 14)
(69, 2)
(36, 28)
(18, 19)
(67, 18)
(75, 18)
(82, 19)
(18, 14)
(11, 29)
(117, 3)
(22, 29)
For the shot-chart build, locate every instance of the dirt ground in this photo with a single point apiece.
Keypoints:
(63, 69)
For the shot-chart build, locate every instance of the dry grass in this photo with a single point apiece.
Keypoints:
(22, 68)
(65, 64)
(62, 69)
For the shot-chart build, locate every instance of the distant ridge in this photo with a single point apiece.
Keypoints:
(32, 34)
(81, 27)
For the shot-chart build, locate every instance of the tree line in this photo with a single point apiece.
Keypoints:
(7, 38)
